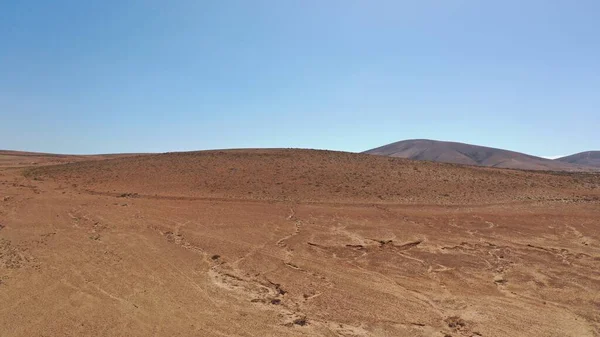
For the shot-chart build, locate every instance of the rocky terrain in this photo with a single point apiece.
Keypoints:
(296, 243)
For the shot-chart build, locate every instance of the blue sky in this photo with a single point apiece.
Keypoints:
(153, 76)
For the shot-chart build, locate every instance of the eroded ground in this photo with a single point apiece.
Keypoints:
(78, 263)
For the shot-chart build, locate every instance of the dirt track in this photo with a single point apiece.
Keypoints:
(327, 244)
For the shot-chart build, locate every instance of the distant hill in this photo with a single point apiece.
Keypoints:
(467, 154)
(588, 158)
(10, 158)
(308, 176)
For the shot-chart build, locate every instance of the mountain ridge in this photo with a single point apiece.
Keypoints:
(469, 154)
(588, 158)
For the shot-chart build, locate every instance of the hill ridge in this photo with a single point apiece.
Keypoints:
(469, 154)
(589, 158)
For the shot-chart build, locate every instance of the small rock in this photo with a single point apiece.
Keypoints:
(499, 279)
(301, 321)
(455, 322)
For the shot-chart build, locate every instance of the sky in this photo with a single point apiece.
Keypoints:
(111, 76)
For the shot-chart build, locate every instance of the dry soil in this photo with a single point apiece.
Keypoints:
(296, 243)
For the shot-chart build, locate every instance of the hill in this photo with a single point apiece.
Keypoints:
(467, 154)
(588, 158)
(305, 175)
(10, 158)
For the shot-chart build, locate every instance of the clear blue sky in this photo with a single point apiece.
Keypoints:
(136, 76)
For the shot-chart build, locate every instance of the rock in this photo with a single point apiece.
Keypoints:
(499, 279)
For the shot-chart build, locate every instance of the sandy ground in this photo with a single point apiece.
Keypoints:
(174, 245)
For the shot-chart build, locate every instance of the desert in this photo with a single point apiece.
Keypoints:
(286, 242)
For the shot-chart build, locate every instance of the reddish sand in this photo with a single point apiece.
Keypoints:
(296, 243)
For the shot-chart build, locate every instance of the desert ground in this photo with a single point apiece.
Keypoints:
(294, 243)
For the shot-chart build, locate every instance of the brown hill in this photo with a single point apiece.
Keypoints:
(467, 154)
(308, 175)
(589, 158)
(10, 158)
